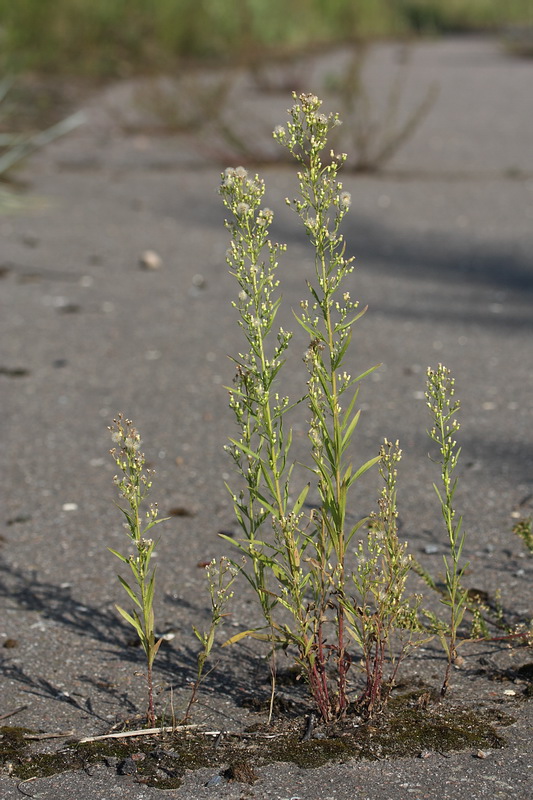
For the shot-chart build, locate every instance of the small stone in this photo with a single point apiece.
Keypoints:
(216, 780)
(431, 549)
(482, 754)
(241, 772)
(30, 240)
(424, 754)
(150, 260)
(510, 693)
(199, 281)
(9, 643)
(127, 767)
(69, 507)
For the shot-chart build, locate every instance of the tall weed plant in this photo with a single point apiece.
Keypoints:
(302, 564)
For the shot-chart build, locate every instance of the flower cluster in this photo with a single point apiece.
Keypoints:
(443, 408)
(135, 483)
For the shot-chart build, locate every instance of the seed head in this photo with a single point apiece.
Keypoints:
(345, 199)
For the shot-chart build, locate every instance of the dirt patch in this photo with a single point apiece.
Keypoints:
(409, 727)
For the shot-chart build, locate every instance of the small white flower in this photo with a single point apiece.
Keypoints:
(240, 172)
(241, 209)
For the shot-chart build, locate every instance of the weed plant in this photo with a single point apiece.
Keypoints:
(374, 138)
(300, 563)
(15, 147)
(524, 529)
(134, 486)
(220, 578)
(383, 619)
(443, 408)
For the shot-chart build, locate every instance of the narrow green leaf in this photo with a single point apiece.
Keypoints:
(262, 499)
(244, 449)
(365, 374)
(363, 469)
(348, 435)
(313, 332)
(348, 413)
(134, 622)
(130, 591)
(150, 592)
(313, 292)
(352, 320)
(301, 499)
(154, 649)
(355, 528)
(118, 555)
(340, 355)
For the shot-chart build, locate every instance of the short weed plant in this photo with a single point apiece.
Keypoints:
(134, 486)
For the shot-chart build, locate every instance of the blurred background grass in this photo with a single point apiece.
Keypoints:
(116, 38)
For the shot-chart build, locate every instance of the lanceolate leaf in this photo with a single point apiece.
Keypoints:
(254, 633)
(363, 469)
(301, 499)
(134, 622)
(347, 436)
(130, 591)
(118, 555)
(351, 321)
(313, 332)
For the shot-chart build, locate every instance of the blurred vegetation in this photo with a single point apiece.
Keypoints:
(110, 38)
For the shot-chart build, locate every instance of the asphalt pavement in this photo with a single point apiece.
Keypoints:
(443, 237)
